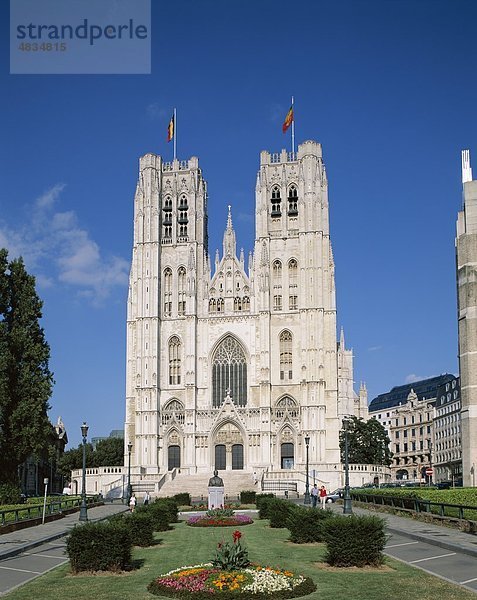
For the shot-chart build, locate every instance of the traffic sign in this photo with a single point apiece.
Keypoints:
(429, 471)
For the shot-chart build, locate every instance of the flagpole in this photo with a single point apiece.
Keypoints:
(175, 133)
(293, 127)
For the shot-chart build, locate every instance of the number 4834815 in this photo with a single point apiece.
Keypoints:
(44, 47)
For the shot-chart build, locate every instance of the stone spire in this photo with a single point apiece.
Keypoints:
(229, 237)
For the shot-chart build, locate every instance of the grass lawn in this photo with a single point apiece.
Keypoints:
(189, 546)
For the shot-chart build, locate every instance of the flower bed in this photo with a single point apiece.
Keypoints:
(255, 581)
(216, 521)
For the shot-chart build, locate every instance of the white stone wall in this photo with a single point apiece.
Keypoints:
(322, 369)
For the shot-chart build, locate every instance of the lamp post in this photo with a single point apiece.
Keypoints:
(83, 516)
(129, 490)
(307, 484)
(347, 510)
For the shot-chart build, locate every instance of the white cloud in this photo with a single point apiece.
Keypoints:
(48, 198)
(155, 111)
(58, 251)
(412, 377)
(374, 348)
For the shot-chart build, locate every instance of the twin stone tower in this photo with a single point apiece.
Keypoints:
(231, 367)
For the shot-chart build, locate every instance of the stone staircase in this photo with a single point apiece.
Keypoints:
(234, 483)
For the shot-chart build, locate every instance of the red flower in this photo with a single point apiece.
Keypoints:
(237, 535)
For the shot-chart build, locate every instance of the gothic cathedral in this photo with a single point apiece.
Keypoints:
(232, 367)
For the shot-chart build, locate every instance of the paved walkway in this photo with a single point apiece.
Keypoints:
(18, 563)
(437, 535)
(19, 541)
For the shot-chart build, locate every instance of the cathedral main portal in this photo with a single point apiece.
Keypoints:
(228, 444)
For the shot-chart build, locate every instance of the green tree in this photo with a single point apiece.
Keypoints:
(25, 379)
(73, 459)
(109, 452)
(368, 442)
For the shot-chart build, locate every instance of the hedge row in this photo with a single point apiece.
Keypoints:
(350, 540)
(107, 546)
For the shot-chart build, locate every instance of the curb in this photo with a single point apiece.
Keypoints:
(439, 543)
(49, 538)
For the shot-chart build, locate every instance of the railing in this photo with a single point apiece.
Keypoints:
(418, 505)
(34, 511)
(279, 486)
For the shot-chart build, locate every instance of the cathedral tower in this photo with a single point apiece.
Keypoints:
(466, 249)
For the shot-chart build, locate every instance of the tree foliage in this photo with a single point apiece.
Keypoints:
(25, 379)
(108, 452)
(368, 442)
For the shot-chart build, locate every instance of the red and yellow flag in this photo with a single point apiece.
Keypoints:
(170, 129)
(288, 120)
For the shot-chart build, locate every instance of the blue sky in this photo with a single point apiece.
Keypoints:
(388, 87)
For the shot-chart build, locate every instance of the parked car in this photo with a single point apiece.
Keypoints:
(334, 496)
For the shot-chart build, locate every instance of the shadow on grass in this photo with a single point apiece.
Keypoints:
(135, 564)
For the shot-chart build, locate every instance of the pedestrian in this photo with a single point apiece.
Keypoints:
(132, 502)
(323, 496)
(146, 498)
(314, 496)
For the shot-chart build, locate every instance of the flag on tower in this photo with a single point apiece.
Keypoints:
(170, 129)
(288, 120)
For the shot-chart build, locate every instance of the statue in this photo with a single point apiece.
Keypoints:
(216, 481)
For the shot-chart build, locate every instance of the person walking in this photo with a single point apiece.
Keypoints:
(132, 502)
(323, 496)
(314, 496)
(146, 498)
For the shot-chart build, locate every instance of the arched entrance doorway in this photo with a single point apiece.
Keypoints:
(287, 456)
(237, 456)
(229, 448)
(173, 457)
(220, 457)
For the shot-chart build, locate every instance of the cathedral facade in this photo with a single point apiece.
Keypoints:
(233, 365)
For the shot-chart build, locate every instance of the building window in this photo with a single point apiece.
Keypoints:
(293, 284)
(182, 217)
(277, 285)
(167, 292)
(181, 291)
(276, 202)
(229, 373)
(292, 201)
(174, 361)
(167, 217)
(286, 355)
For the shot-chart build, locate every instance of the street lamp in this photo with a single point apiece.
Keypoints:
(129, 490)
(83, 516)
(347, 510)
(307, 484)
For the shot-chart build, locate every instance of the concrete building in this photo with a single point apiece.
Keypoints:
(232, 366)
(447, 433)
(466, 253)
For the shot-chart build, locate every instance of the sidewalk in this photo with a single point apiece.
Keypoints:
(19, 541)
(438, 535)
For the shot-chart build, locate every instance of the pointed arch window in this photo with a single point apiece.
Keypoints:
(181, 291)
(167, 292)
(174, 361)
(292, 284)
(167, 218)
(229, 373)
(277, 285)
(286, 355)
(173, 411)
(292, 201)
(276, 202)
(182, 218)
